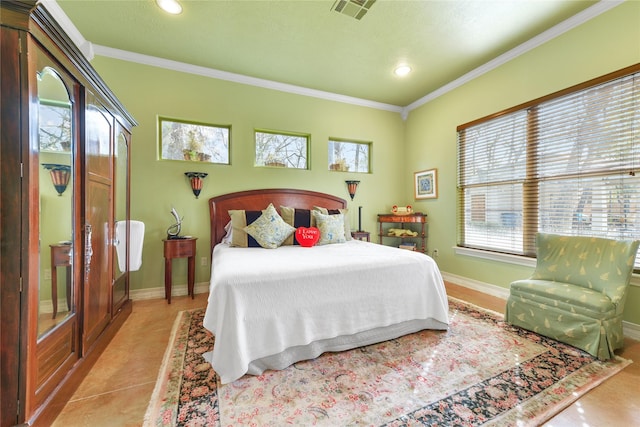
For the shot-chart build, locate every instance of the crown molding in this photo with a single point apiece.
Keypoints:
(90, 50)
(238, 78)
(69, 28)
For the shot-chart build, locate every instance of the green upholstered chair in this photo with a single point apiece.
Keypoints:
(577, 292)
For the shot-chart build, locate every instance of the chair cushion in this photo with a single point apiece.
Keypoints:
(565, 296)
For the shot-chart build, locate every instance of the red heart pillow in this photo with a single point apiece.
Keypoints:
(307, 236)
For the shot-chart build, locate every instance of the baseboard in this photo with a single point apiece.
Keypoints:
(176, 291)
(630, 330)
(476, 285)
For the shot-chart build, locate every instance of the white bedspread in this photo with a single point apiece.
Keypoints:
(265, 301)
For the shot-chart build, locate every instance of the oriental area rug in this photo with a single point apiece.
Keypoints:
(481, 371)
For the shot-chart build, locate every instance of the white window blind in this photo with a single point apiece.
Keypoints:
(563, 164)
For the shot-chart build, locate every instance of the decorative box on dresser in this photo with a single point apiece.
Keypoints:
(64, 181)
(416, 222)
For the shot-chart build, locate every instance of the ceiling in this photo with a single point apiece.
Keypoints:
(304, 45)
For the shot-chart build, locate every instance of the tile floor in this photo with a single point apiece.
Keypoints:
(118, 388)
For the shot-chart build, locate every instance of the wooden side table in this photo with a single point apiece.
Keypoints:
(60, 257)
(179, 248)
(361, 235)
(404, 221)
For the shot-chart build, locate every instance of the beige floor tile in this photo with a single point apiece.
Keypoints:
(118, 408)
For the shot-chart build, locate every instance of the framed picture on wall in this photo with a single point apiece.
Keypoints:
(426, 184)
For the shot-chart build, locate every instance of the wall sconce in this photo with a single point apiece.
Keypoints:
(352, 186)
(196, 181)
(59, 176)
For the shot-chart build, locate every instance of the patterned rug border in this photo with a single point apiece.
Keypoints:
(164, 403)
(167, 380)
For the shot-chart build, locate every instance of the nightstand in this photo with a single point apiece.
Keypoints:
(179, 248)
(361, 235)
(60, 257)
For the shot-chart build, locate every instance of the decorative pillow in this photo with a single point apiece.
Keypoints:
(307, 236)
(239, 220)
(269, 230)
(331, 228)
(229, 232)
(296, 218)
(347, 226)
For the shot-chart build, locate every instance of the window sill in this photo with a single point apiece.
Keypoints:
(514, 259)
(495, 256)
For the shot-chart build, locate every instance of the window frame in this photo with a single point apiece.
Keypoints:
(193, 154)
(281, 160)
(346, 164)
(530, 221)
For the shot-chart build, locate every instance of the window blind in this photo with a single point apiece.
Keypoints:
(564, 164)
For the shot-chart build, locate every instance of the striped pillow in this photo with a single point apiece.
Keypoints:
(239, 220)
(296, 218)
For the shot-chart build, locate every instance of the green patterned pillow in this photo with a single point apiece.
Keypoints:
(331, 228)
(347, 226)
(269, 230)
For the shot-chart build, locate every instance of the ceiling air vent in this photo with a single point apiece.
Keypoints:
(353, 8)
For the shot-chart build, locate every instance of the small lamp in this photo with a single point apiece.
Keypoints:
(59, 176)
(352, 186)
(196, 181)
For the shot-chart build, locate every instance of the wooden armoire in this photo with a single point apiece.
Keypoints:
(64, 184)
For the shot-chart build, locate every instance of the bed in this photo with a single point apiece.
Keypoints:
(270, 308)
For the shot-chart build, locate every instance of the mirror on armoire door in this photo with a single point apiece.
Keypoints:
(56, 196)
(53, 346)
(121, 210)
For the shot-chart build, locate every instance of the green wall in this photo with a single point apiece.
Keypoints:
(607, 43)
(156, 186)
(427, 139)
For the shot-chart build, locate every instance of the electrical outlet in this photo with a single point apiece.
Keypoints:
(435, 253)
(47, 274)
(203, 261)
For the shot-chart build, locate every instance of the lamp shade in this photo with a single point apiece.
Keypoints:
(352, 186)
(59, 176)
(196, 181)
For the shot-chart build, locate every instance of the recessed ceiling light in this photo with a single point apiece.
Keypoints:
(170, 6)
(402, 70)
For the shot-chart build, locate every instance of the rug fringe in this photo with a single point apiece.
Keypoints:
(558, 407)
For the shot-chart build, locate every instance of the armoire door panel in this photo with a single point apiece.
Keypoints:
(98, 272)
(56, 355)
(97, 287)
(121, 214)
(98, 142)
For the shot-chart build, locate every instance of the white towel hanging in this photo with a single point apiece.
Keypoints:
(136, 230)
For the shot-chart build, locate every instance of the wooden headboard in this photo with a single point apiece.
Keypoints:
(256, 200)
